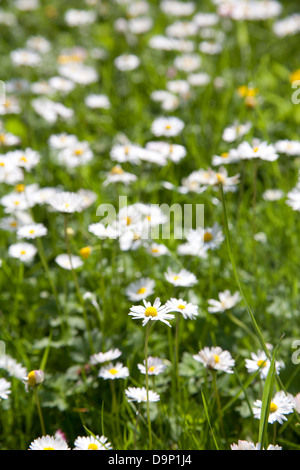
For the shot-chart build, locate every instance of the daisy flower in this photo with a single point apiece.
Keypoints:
(25, 252)
(139, 394)
(92, 443)
(32, 231)
(281, 405)
(215, 358)
(157, 249)
(182, 278)
(155, 366)
(150, 312)
(34, 378)
(247, 445)
(260, 361)
(114, 371)
(257, 149)
(288, 147)
(226, 301)
(140, 289)
(235, 131)
(168, 127)
(188, 310)
(110, 355)
(48, 443)
(127, 62)
(4, 389)
(66, 202)
(67, 262)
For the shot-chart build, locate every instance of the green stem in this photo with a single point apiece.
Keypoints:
(147, 383)
(81, 301)
(37, 401)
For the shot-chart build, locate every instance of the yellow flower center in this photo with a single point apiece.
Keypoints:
(216, 358)
(220, 178)
(31, 232)
(113, 371)
(116, 170)
(224, 155)
(23, 159)
(2, 138)
(256, 149)
(23, 252)
(20, 188)
(261, 363)
(128, 220)
(176, 278)
(92, 446)
(31, 376)
(142, 290)
(2, 164)
(273, 407)
(48, 448)
(78, 152)
(151, 369)
(155, 250)
(207, 237)
(151, 312)
(182, 307)
(168, 127)
(126, 150)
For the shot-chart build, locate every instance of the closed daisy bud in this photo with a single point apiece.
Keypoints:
(34, 378)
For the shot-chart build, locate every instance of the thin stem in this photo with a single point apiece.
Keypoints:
(214, 375)
(39, 410)
(136, 424)
(147, 383)
(77, 283)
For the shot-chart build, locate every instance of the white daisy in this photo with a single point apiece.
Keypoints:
(4, 389)
(188, 310)
(281, 405)
(215, 358)
(65, 262)
(247, 445)
(257, 149)
(32, 231)
(155, 366)
(114, 371)
(66, 202)
(260, 361)
(48, 443)
(157, 249)
(235, 131)
(25, 252)
(101, 357)
(141, 289)
(181, 278)
(150, 312)
(92, 443)
(226, 301)
(127, 62)
(139, 394)
(168, 127)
